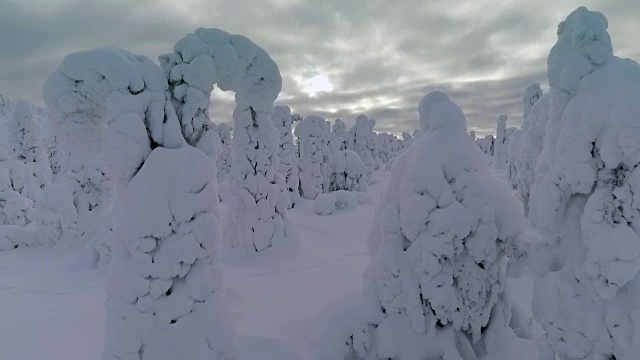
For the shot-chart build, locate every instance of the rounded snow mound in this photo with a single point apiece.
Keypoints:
(438, 111)
(583, 45)
(324, 204)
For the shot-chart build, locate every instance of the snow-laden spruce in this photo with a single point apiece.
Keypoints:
(486, 145)
(500, 145)
(532, 94)
(17, 227)
(165, 297)
(338, 140)
(407, 140)
(287, 153)
(76, 96)
(438, 246)
(586, 202)
(347, 172)
(525, 145)
(360, 136)
(314, 156)
(224, 159)
(258, 194)
(28, 147)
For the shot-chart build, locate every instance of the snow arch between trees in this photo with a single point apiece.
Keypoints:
(258, 196)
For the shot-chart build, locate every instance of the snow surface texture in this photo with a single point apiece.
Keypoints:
(500, 155)
(258, 194)
(360, 135)
(437, 245)
(324, 204)
(585, 203)
(347, 172)
(287, 153)
(314, 156)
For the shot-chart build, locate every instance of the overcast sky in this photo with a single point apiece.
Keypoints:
(338, 58)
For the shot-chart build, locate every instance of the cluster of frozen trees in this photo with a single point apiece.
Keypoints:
(128, 162)
(332, 157)
(447, 231)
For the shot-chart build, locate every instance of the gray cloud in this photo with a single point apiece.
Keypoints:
(381, 56)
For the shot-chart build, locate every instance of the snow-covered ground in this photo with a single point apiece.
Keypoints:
(52, 302)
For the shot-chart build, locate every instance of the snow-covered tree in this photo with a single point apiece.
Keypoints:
(314, 156)
(165, 297)
(29, 148)
(16, 209)
(486, 144)
(258, 194)
(407, 140)
(224, 159)
(361, 134)
(287, 153)
(532, 94)
(585, 201)
(438, 247)
(347, 172)
(472, 135)
(76, 96)
(500, 150)
(338, 140)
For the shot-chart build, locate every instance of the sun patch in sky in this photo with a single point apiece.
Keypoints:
(316, 84)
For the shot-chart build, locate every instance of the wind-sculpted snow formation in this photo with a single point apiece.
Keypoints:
(584, 202)
(165, 298)
(438, 246)
(258, 193)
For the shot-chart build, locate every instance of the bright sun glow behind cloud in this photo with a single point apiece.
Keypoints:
(317, 84)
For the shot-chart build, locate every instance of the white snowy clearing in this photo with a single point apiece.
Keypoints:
(55, 299)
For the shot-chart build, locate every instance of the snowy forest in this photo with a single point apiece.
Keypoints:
(135, 225)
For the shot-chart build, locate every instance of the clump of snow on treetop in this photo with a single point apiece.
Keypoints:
(438, 246)
(585, 204)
